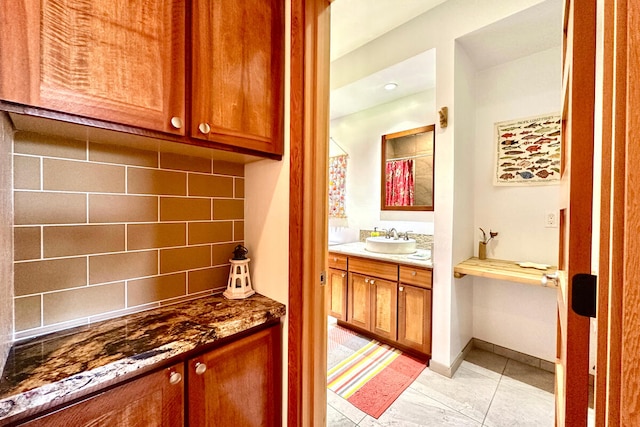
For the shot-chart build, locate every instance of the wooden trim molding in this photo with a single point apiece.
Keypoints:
(308, 206)
(630, 339)
(600, 403)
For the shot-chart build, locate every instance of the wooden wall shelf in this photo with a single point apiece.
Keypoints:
(502, 270)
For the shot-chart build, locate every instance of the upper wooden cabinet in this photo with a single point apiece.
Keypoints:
(124, 62)
(121, 61)
(237, 87)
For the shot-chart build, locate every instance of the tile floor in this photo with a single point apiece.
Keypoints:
(487, 390)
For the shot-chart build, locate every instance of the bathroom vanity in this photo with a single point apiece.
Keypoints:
(386, 297)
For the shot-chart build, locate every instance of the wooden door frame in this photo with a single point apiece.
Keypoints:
(308, 206)
(617, 399)
(630, 384)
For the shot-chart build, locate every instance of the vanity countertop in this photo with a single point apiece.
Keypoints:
(56, 367)
(357, 249)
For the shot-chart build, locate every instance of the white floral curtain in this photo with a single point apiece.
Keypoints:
(337, 186)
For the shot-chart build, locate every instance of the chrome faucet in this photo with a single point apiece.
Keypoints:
(406, 234)
(392, 232)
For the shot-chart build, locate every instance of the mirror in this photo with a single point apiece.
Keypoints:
(407, 170)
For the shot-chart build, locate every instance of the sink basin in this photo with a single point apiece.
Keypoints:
(382, 245)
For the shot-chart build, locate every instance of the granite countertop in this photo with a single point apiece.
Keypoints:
(60, 366)
(357, 249)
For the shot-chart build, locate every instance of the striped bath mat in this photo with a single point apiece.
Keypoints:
(373, 376)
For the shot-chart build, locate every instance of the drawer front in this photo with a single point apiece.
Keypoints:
(415, 276)
(337, 261)
(374, 268)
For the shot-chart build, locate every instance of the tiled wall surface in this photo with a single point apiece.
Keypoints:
(6, 241)
(102, 230)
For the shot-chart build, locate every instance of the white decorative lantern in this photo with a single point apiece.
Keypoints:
(239, 285)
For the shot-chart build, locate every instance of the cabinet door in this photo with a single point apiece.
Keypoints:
(238, 73)
(414, 317)
(155, 399)
(384, 301)
(337, 298)
(359, 297)
(238, 384)
(120, 60)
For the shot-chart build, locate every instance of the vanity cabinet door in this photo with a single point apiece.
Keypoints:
(238, 384)
(155, 399)
(384, 301)
(238, 73)
(359, 297)
(337, 294)
(414, 317)
(121, 61)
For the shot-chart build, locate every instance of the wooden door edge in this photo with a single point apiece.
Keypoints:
(309, 130)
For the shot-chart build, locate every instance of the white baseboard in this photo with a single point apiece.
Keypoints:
(448, 371)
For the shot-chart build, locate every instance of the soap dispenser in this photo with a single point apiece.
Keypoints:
(375, 232)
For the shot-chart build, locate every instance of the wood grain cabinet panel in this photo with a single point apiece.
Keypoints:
(415, 276)
(120, 61)
(238, 384)
(372, 304)
(414, 317)
(237, 73)
(359, 296)
(338, 261)
(384, 302)
(155, 399)
(337, 294)
(383, 270)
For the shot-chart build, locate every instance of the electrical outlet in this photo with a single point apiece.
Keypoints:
(551, 219)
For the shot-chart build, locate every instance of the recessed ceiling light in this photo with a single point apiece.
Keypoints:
(391, 86)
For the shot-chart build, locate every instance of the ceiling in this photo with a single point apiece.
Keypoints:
(355, 23)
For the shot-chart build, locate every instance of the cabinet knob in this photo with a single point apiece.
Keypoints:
(201, 368)
(372, 281)
(204, 128)
(401, 288)
(335, 259)
(175, 378)
(366, 280)
(344, 274)
(176, 122)
(413, 273)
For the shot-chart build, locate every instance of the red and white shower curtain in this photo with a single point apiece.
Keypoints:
(399, 183)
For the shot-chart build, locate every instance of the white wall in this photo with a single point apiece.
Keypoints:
(266, 225)
(6, 238)
(516, 316)
(438, 28)
(463, 201)
(360, 135)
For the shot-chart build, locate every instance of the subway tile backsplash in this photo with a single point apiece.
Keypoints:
(102, 230)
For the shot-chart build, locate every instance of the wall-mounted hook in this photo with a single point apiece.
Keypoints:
(444, 117)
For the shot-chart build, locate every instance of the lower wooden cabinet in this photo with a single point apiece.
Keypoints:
(390, 301)
(414, 318)
(239, 384)
(155, 399)
(337, 294)
(373, 304)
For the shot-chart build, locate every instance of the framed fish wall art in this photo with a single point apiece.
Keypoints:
(528, 151)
